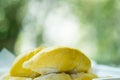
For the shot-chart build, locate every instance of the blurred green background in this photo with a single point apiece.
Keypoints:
(93, 26)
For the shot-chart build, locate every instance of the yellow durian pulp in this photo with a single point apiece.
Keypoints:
(83, 76)
(54, 76)
(58, 59)
(57, 76)
(17, 78)
(53, 63)
(18, 70)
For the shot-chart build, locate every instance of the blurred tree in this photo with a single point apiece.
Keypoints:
(31, 35)
(9, 23)
(21, 18)
(104, 16)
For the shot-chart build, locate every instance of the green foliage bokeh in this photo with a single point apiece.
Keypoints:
(102, 14)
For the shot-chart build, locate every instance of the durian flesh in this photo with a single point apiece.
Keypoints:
(17, 78)
(54, 76)
(57, 63)
(83, 76)
(60, 59)
(58, 76)
(64, 76)
(18, 70)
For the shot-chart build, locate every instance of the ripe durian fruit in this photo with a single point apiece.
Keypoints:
(18, 70)
(58, 59)
(17, 78)
(53, 63)
(54, 76)
(83, 76)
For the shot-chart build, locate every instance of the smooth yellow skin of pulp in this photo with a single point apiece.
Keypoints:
(59, 59)
(60, 76)
(56, 63)
(57, 76)
(17, 78)
(18, 70)
(84, 76)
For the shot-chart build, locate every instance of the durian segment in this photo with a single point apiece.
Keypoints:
(83, 76)
(58, 59)
(16, 78)
(18, 70)
(83, 65)
(54, 76)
